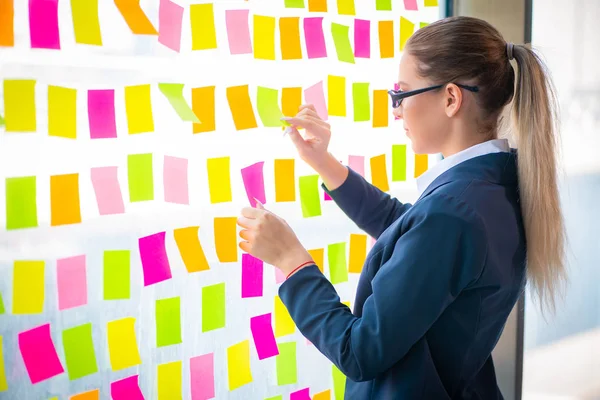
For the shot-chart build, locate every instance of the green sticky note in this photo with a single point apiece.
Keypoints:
(21, 203)
(140, 177)
(338, 267)
(362, 105)
(309, 195)
(341, 40)
(294, 3)
(1, 305)
(339, 383)
(423, 24)
(213, 307)
(168, 321)
(2, 122)
(174, 93)
(286, 364)
(383, 5)
(398, 162)
(280, 397)
(267, 101)
(79, 351)
(19, 105)
(117, 276)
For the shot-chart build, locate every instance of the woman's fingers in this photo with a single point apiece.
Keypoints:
(246, 235)
(308, 107)
(251, 212)
(247, 223)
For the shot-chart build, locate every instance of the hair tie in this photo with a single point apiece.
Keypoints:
(509, 51)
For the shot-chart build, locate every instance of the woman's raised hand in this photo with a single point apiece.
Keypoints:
(312, 148)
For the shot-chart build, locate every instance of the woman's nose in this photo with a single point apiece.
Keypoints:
(397, 112)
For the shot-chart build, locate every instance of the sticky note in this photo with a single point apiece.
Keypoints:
(238, 31)
(411, 5)
(21, 202)
(135, 17)
(107, 190)
(238, 365)
(264, 37)
(169, 379)
(406, 30)
(379, 176)
(326, 196)
(43, 24)
(285, 181)
(2, 121)
(168, 321)
(122, 344)
(317, 6)
(362, 38)
(314, 37)
(386, 39)
(279, 276)
(381, 108)
(213, 307)
(421, 161)
(284, 324)
(286, 364)
(174, 93)
(318, 257)
(279, 397)
(86, 23)
(302, 394)
(140, 177)
(383, 5)
(2, 310)
(126, 389)
(267, 101)
(170, 16)
(252, 276)
(289, 38)
(219, 179)
(155, 262)
(240, 106)
(101, 114)
(339, 383)
(336, 95)
(28, 287)
(19, 105)
(202, 377)
(357, 164)
(71, 282)
(39, 354)
(324, 395)
(190, 249)
(341, 40)
(138, 107)
(64, 200)
(89, 395)
(336, 256)
(117, 274)
(175, 180)
(254, 183)
(3, 382)
(202, 18)
(346, 7)
(225, 229)
(309, 196)
(358, 252)
(362, 103)
(291, 100)
(7, 28)
(80, 356)
(62, 112)
(294, 3)
(263, 336)
(431, 3)
(203, 105)
(398, 162)
(314, 95)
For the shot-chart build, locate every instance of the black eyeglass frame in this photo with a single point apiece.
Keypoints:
(399, 95)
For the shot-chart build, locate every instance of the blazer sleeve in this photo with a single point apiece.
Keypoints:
(371, 209)
(440, 254)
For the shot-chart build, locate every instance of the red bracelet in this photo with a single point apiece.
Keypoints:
(298, 267)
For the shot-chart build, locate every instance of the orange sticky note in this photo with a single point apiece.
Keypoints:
(7, 17)
(317, 5)
(135, 17)
(386, 39)
(406, 30)
(240, 105)
(318, 256)
(421, 161)
(219, 179)
(381, 110)
(291, 100)
(64, 199)
(379, 176)
(285, 180)
(264, 37)
(289, 39)
(203, 105)
(324, 395)
(190, 249)
(336, 95)
(90, 395)
(358, 252)
(226, 238)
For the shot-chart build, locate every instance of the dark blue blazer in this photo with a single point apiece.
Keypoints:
(435, 291)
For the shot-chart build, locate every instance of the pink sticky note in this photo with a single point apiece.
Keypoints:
(362, 38)
(303, 394)
(170, 16)
(410, 5)
(238, 31)
(315, 40)
(254, 183)
(264, 338)
(155, 262)
(372, 242)
(279, 276)
(314, 95)
(252, 276)
(175, 178)
(107, 190)
(357, 164)
(126, 389)
(396, 87)
(101, 114)
(202, 377)
(43, 24)
(39, 354)
(71, 282)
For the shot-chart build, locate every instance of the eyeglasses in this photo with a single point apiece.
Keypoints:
(399, 95)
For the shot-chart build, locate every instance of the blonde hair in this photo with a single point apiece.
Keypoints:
(469, 49)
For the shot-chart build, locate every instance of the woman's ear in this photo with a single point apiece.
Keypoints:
(453, 99)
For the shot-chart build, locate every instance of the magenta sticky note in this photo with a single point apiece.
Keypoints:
(238, 31)
(39, 354)
(302, 394)
(175, 177)
(357, 164)
(252, 276)
(326, 196)
(264, 338)
(43, 24)
(101, 114)
(126, 389)
(170, 16)
(279, 276)
(410, 5)
(314, 95)
(254, 183)
(314, 37)
(155, 262)
(202, 377)
(362, 38)
(108, 191)
(71, 282)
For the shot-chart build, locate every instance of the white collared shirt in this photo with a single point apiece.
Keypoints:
(489, 147)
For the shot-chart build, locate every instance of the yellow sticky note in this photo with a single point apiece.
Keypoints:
(122, 344)
(226, 238)
(289, 38)
(379, 176)
(238, 365)
(19, 105)
(431, 3)
(346, 7)
(381, 110)
(336, 95)
(346, 303)
(86, 23)
(421, 161)
(28, 287)
(3, 383)
(285, 181)
(240, 106)
(386, 39)
(169, 377)
(264, 37)
(284, 324)
(138, 107)
(190, 249)
(407, 28)
(219, 179)
(358, 252)
(64, 200)
(318, 256)
(324, 395)
(291, 100)
(204, 34)
(62, 112)
(203, 105)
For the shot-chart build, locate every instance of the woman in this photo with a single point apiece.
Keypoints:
(444, 274)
